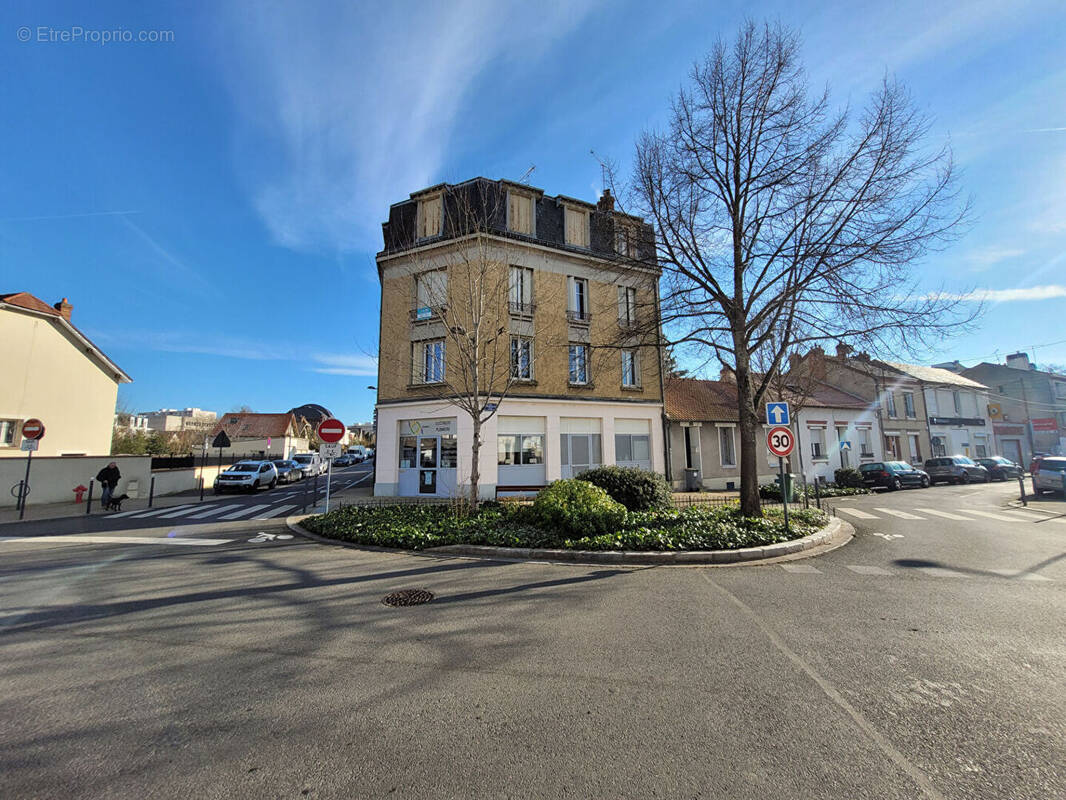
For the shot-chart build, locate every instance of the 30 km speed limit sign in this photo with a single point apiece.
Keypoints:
(780, 441)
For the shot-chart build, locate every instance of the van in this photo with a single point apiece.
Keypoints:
(311, 463)
(358, 451)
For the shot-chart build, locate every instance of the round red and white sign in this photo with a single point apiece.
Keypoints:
(780, 441)
(33, 429)
(331, 430)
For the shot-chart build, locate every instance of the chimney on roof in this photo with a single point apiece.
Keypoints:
(794, 360)
(606, 201)
(64, 308)
(727, 375)
(843, 350)
(1019, 361)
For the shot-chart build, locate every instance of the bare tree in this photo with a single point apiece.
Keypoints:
(781, 222)
(485, 318)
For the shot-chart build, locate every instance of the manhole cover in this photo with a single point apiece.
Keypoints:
(408, 597)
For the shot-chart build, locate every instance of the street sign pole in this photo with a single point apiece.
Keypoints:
(784, 494)
(25, 485)
(329, 480)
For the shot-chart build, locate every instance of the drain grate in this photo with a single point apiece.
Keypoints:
(408, 597)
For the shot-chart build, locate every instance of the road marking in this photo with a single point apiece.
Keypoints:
(990, 515)
(142, 513)
(801, 569)
(275, 512)
(212, 511)
(269, 537)
(182, 513)
(1025, 576)
(245, 510)
(861, 570)
(858, 514)
(888, 537)
(944, 514)
(87, 539)
(900, 514)
(942, 572)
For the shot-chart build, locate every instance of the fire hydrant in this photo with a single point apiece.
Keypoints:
(79, 490)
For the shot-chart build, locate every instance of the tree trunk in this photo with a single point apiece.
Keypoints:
(750, 505)
(475, 467)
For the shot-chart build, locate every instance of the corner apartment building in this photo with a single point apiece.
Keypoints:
(52, 372)
(1027, 407)
(567, 285)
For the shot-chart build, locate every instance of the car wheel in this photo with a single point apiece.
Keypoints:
(273, 483)
(255, 486)
(925, 483)
(965, 479)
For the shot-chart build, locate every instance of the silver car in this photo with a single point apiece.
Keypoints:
(1049, 475)
(955, 469)
(247, 476)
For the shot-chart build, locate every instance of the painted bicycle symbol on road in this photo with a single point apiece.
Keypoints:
(261, 537)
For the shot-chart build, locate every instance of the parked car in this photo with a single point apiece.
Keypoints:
(955, 469)
(311, 463)
(288, 471)
(1000, 468)
(369, 453)
(247, 475)
(1050, 475)
(344, 460)
(892, 475)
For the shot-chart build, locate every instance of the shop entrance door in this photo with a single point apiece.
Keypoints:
(428, 459)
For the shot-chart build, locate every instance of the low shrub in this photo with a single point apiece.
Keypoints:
(577, 507)
(636, 489)
(771, 492)
(848, 478)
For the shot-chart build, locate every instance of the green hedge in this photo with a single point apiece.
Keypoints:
(848, 478)
(636, 489)
(772, 492)
(577, 507)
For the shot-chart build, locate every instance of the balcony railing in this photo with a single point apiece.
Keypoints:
(522, 309)
(579, 317)
(427, 313)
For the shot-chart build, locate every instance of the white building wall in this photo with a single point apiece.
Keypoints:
(828, 420)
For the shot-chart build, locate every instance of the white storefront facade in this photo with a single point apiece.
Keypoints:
(424, 447)
(958, 421)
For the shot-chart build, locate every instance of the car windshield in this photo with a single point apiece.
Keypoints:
(283, 463)
(302, 459)
(1049, 465)
(251, 466)
(964, 460)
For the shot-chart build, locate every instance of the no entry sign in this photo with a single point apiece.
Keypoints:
(331, 430)
(780, 441)
(33, 429)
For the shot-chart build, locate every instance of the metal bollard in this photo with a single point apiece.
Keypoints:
(151, 491)
(89, 499)
(818, 493)
(1021, 489)
(201, 488)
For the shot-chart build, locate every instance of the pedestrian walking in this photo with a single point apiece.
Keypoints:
(108, 477)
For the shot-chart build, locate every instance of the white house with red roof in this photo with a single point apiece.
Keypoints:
(834, 429)
(53, 372)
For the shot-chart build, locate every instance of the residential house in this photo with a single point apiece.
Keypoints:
(177, 420)
(54, 373)
(702, 436)
(273, 435)
(1027, 407)
(834, 429)
(581, 393)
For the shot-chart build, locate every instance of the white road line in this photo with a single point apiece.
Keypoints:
(942, 572)
(858, 514)
(944, 514)
(1025, 576)
(142, 513)
(86, 539)
(183, 512)
(275, 512)
(216, 510)
(990, 515)
(861, 570)
(801, 569)
(900, 514)
(245, 510)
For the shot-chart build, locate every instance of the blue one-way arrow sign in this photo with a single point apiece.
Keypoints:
(777, 413)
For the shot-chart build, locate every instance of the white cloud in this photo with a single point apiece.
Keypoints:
(345, 110)
(989, 256)
(341, 364)
(1007, 295)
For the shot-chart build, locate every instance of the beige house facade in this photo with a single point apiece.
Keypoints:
(583, 388)
(53, 372)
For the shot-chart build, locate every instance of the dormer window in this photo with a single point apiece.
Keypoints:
(520, 216)
(625, 240)
(577, 226)
(430, 216)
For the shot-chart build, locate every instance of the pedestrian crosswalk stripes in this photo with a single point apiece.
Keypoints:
(991, 515)
(1017, 515)
(141, 513)
(210, 512)
(944, 514)
(896, 513)
(854, 512)
(275, 512)
(181, 512)
(246, 510)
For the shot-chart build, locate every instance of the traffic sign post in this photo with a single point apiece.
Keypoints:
(780, 441)
(330, 432)
(33, 431)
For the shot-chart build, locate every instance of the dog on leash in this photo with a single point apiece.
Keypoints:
(115, 502)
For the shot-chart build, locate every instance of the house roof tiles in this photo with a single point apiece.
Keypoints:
(246, 425)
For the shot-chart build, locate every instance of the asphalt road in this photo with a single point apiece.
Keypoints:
(281, 501)
(923, 662)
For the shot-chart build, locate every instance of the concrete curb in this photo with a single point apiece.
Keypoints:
(833, 535)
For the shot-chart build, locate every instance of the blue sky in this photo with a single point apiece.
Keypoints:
(212, 205)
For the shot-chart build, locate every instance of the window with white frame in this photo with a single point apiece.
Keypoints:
(627, 306)
(890, 404)
(520, 216)
(817, 436)
(578, 305)
(577, 226)
(727, 446)
(908, 405)
(579, 363)
(8, 428)
(429, 361)
(625, 240)
(521, 358)
(864, 443)
(430, 216)
(630, 447)
(956, 399)
(431, 292)
(521, 290)
(514, 449)
(630, 372)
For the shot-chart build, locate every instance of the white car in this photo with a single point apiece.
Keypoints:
(311, 463)
(248, 476)
(1049, 475)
